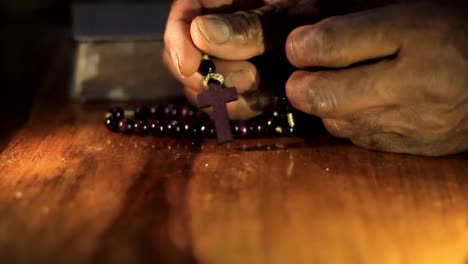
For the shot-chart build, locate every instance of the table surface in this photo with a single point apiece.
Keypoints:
(72, 192)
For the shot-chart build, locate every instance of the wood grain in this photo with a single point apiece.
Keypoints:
(71, 192)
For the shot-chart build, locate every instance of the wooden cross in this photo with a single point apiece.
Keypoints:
(217, 96)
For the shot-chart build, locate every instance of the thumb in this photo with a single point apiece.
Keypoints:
(245, 34)
(342, 41)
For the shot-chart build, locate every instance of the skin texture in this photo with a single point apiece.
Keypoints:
(413, 101)
(390, 78)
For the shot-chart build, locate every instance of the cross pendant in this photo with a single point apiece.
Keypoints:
(216, 96)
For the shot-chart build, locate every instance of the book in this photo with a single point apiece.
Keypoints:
(119, 52)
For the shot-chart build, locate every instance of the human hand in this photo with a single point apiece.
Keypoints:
(253, 28)
(412, 99)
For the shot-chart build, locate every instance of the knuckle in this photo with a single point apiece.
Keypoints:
(321, 38)
(440, 94)
(338, 128)
(323, 100)
(437, 125)
(294, 47)
(295, 90)
(315, 45)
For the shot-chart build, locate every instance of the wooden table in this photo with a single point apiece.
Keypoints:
(71, 192)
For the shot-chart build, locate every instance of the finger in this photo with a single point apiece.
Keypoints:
(240, 74)
(246, 34)
(344, 40)
(223, 35)
(424, 133)
(383, 129)
(343, 92)
(184, 54)
(195, 80)
(178, 42)
(338, 127)
(379, 120)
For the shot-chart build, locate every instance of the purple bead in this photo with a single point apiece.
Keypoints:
(252, 127)
(270, 122)
(156, 110)
(173, 128)
(261, 130)
(168, 109)
(171, 111)
(117, 113)
(241, 130)
(275, 113)
(141, 127)
(206, 67)
(189, 129)
(111, 124)
(142, 112)
(206, 129)
(187, 112)
(175, 112)
(158, 128)
(126, 126)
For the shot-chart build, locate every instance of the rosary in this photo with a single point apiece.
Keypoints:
(187, 121)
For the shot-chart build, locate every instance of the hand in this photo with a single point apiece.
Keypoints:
(411, 98)
(253, 28)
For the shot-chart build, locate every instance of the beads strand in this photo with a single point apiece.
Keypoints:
(173, 120)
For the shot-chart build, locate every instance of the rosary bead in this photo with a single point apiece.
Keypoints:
(142, 112)
(117, 113)
(206, 67)
(111, 124)
(126, 126)
(168, 109)
(173, 128)
(156, 110)
(171, 111)
(270, 122)
(141, 127)
(241, 130)
(252, 127)
(158, 128)
(206, 129)
(261, 130)
(185, 120)
(189, 129)
(187, 112)
(275, 113)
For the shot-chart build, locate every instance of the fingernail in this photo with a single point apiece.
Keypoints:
(175, 60)
(214, 29)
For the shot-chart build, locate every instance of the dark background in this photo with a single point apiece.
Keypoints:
(28, 41)
(31, 32)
